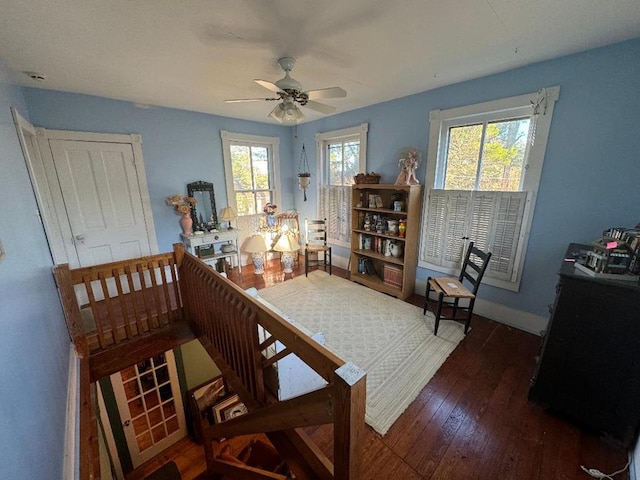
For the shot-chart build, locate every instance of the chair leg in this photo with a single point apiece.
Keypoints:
(330, 264)
(455, 307)
(306, 264)
(439, 312)
(467, 324)
(426, 297)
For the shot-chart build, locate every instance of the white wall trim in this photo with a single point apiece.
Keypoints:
(634, 460)
(322, 137)
(440, 120)
(71, 462)
(49, 194)
(519, 319)
(108, 435)
(273, 142)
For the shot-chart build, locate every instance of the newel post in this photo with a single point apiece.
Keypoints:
(349, 410)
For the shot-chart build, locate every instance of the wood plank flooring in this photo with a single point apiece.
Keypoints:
(472, 421)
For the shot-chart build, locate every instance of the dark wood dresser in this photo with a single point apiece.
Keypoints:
(589, 367)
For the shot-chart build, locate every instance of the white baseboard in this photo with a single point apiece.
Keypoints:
(71, 463)
(500, 313)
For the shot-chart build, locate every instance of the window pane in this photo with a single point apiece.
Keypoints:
(245, 201)
(262, 199)
(260, 161)
(503, 155)
(463, 157)
(351, 161)
(335, 164)
(241, 166)
(344, 162)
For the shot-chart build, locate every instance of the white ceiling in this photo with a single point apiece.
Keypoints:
(195, 54)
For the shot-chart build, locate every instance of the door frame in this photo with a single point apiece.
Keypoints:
(121, 409)
(49, 194)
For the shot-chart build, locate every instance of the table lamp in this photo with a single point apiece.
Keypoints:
(227, 215)
(287, 244)
(256, 246)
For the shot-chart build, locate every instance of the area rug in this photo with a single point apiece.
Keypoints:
(389, 339)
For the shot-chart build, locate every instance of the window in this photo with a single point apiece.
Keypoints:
(483, 169)
(341, 155)
(251, 166)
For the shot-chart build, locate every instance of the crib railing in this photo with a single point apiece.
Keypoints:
(227, 321)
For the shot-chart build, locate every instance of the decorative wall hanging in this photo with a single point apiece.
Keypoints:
(304, 175)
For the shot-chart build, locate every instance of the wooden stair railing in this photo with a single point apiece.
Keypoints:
(227, 320)
(114, 309)
(148, 305)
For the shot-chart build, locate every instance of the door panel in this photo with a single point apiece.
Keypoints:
(150, 406)
(102, 197)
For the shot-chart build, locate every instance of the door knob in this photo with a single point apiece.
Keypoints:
(126, 423)
(79, 238)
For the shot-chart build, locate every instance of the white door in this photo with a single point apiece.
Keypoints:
(102, 198)
(150, 406)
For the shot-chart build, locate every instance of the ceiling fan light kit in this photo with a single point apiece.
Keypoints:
(290, 93)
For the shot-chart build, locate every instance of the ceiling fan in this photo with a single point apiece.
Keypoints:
(291, 95)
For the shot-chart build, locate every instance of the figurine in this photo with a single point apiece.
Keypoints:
(408, 162)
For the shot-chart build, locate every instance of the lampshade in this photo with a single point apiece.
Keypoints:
(286, 243)
(255, 244)
(286, 111)
(227, 214)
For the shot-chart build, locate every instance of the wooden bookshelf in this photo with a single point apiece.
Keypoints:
(391, 274)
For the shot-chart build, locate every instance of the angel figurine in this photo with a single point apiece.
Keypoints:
(408, 163)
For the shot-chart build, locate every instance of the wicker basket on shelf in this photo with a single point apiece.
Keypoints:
(367, 178)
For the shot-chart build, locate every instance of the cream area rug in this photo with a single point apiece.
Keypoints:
(389, 339)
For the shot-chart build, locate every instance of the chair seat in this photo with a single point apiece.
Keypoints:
(451, 287)
(316, 248)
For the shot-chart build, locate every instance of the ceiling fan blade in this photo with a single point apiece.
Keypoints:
(269, 85)
(240, 100)
(320, 107)
(331, 92)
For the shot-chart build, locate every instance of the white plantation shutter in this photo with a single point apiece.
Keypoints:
(492, 220)
(335, 202)
(505, 234)
(433, 227)
(458, 218)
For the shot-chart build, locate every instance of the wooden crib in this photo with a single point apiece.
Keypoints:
(131, 310)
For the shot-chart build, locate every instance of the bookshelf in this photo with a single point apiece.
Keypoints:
(383, 258)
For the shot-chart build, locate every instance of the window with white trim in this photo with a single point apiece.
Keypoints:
(341, 154)
(251, 165)
(483, 170)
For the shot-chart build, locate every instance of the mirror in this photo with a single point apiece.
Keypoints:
(204, 214)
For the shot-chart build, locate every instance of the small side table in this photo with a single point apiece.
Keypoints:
(208, 246)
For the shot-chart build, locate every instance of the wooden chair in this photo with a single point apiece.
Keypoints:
(316, 242)
(452, 288)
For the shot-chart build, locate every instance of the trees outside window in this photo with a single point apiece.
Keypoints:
(251, 166)
(341, 155)
(483, 169)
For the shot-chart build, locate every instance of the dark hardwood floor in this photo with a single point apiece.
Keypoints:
(472, 421)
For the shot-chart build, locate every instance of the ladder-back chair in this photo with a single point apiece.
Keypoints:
(451, 290)
(315, 238)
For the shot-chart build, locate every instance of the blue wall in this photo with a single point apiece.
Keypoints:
(591, 175)
(179, 147)
(589, 181)
(34, 343)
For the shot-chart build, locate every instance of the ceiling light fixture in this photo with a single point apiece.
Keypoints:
(287, 111)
